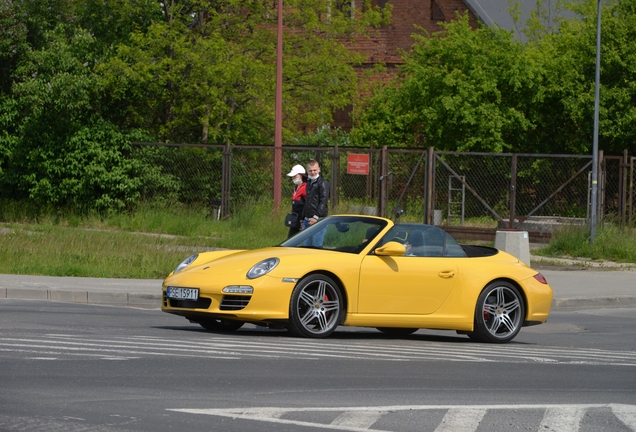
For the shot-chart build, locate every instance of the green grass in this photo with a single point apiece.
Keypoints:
(150, 242)
(147, 244)
(611, 243)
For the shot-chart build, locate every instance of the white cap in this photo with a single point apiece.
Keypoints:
(297, 169)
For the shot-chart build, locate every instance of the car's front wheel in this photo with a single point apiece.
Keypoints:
(315, 307)
(221, 325)
(499, 314)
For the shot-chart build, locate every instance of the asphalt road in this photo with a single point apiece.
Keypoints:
(77, 367)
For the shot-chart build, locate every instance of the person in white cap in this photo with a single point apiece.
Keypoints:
(299, 197)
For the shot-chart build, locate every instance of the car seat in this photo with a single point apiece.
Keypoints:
(417, 239)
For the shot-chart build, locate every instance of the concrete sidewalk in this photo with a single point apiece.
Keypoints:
(575, 288)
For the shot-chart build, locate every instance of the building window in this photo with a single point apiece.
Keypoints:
(436, 12)
(378, 3)
(346, 6)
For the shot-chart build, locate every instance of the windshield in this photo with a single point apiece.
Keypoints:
(340, 233)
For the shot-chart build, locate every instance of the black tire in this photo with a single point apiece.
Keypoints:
(316, 307)
(221, 325)
(395, 331)
(499, 314)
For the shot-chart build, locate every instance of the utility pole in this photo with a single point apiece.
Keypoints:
(595, 141)
(278, 130)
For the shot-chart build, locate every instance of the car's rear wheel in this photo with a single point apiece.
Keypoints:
(394, 331)
(315, 308)
(499, 314)
(221, 325)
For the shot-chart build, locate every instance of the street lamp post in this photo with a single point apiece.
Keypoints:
(278, 129)
(595, 140)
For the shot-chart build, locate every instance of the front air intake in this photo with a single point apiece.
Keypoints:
(234, 302)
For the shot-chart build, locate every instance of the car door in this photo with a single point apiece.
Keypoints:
(405, 284)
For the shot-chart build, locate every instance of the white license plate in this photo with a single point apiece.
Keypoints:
(182, 293)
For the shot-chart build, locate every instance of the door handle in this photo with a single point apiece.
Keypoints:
(446, 274)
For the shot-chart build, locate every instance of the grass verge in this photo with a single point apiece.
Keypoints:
(150, 242)
(611, 244)
(147, 244)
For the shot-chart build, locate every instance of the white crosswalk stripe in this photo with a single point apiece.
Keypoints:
(56, 346)
(458, 418)
(562, 419)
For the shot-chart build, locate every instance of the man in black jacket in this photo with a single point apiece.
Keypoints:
(316, 206)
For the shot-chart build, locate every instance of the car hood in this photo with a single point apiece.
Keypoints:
(236, 263)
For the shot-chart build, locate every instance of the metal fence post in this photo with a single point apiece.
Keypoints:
(631, 189)
(335, 176)
(600, 202)
(373, 174)
(623, 186)
(384, 178)
(429, 186)
(513, 191)
(226, 180)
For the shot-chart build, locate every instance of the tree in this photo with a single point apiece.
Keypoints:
(617, 116)
(206, 73)
(481, 90)
(62, 152)
(80, 79)
(465, 90)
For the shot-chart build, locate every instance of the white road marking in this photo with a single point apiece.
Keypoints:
(265, 414)
(358, 419)
(562, 419)
(274, 347)
(626, 414)
(459, 418)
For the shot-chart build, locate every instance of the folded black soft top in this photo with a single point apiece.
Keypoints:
(473, 251)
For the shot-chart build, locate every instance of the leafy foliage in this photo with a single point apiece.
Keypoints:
(80, 80)
(467, 90)
(481, 90)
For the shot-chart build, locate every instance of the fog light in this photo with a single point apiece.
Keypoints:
(241, 289)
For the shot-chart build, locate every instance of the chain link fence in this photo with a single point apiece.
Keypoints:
(479, 189)
(444, 188)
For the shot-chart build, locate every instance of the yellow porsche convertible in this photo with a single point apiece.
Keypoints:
(361, 271)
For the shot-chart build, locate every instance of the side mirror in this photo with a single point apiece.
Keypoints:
(392, 248)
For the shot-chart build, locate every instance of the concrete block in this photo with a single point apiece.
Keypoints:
(3, 293)
(27, 294)
(144, 301)
(114, 299)
(438, 217)
(68, 296)
(514, 242)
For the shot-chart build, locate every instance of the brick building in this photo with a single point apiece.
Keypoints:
(385, 43)
(407, 15)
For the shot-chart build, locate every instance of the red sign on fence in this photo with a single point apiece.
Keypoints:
(358, 164)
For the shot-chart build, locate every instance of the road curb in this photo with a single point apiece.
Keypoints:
(572, 304)
(134, 300)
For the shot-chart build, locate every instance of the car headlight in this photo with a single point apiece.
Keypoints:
(262, 268)
(186, 262)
